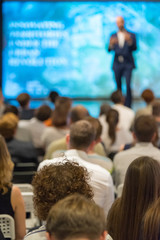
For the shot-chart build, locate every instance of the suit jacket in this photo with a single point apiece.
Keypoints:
(125, 52)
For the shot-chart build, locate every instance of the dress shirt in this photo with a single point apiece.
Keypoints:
(123, 159)
(121, 39)
(100, 179)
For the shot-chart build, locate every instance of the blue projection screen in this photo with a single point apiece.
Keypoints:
(63, 46)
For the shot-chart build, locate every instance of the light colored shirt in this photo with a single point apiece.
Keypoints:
(126, 116)
(123, 159)
(38, 234)
(121, 39)
(100, 179)
(51, 134)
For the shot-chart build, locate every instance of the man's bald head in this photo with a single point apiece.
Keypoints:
(120, 22)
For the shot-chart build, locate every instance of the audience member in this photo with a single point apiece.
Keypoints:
(25, 112)
(151, 222)
(53, 183)
(93, 157)
(141, 189)
(11, 201)
(36, 125)
(80, 141)
(76, 217)
(104, 108)
(2, 104)
(77, 113)
(126, 115)
(20, 151)
(148, 97)
(145, 133)
(156, 115)
(59, 121)
(115, 138)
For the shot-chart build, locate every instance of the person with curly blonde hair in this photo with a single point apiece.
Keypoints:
(11, 201)
(53, 183)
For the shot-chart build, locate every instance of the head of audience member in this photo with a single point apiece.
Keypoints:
(61, 112)
(120, 23)
(148, 96)
(77, 113)
(112, 120)
(8, 125)
(97, 127)
(6, 166)
(117, 97)
(23, 100)
(141, 188)
(52, 96)
(56, 181)
(104, 109)
(82, 136)
(151, 229)
(156, 110)
(76, 218)
(11, 109)
(43, 113)
(145, 129)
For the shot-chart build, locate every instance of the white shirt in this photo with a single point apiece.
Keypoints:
(100, 179)
(123, 159)
(121, 39)
(126, 116)
(38, 234)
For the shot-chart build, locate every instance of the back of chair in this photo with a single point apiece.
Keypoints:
(28, 201)
(7, 226)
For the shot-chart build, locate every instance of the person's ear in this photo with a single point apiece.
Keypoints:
(49, 237)
(103, 236)
(67, 140)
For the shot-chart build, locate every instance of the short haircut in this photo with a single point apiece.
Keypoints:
(43, 113)
(76, 217)
(104, 108)
(8, 125)
(147, 95)
(52, 96)
(77, 113)
(82, 134)
(156, 108)
(23, 99)
(144, 128)
(117, 97)
(56, 181)
(96, 125)
(11, 109)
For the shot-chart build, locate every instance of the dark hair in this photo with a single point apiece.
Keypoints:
(77, 113)
(141, 189)
(117, 97)
(52, 96)
(61, 112)
(96, 125)
(104, 108)
(151, 226)
(82, 134)
(156, 108)
(43, 113)
(147, 95)
(11, 109)
(56, 181)
(23, 99)
(76, 217)
(144, 128)
(112, 120)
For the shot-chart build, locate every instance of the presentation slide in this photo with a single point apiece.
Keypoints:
(63, 46)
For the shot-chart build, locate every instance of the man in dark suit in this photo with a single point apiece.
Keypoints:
(123, 43)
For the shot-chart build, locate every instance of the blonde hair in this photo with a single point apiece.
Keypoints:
(6, 166)
(8, 125)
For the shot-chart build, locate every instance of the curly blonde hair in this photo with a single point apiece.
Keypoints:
(56, 181)
(6, 166)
